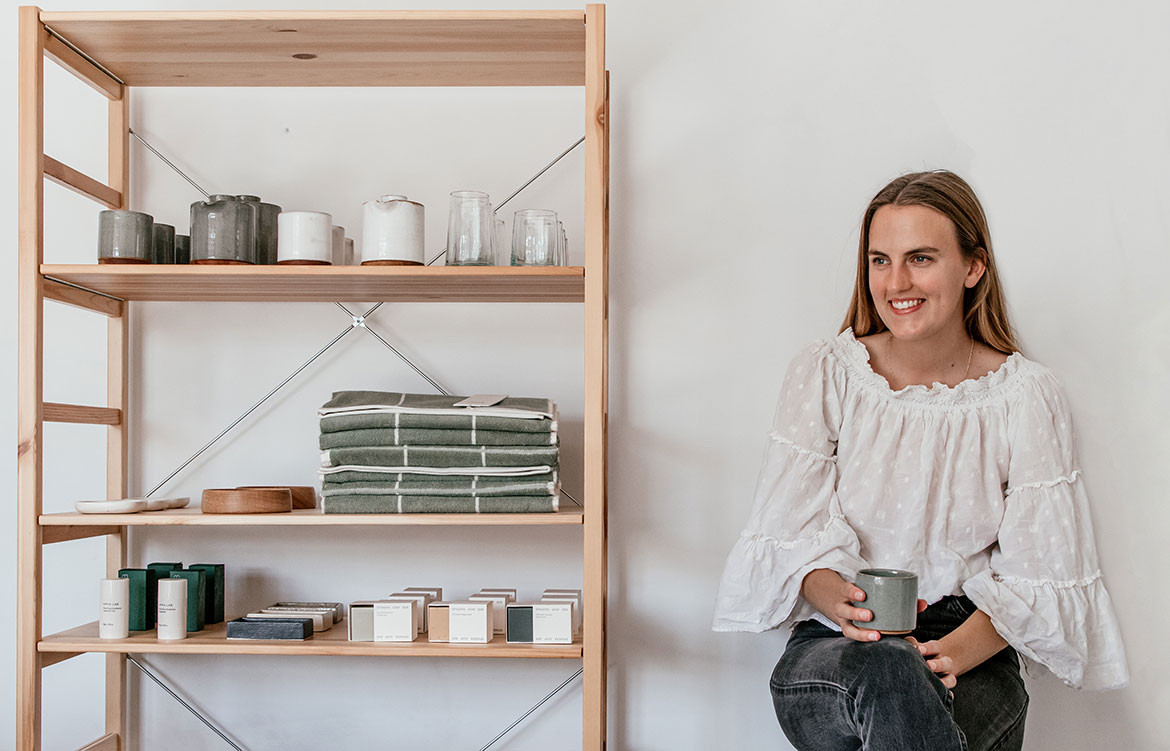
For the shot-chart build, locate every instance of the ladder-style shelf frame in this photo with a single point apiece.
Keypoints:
(115, 51)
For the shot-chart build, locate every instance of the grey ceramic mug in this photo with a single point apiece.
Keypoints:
(892, 596)
(125, 236)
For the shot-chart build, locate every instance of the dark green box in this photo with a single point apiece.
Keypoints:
(215, 590)
(164, 569)
(143, 597)
(519, 624)
(196, 597)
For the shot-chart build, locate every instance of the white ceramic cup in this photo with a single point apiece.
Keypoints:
(304, 237)
(114, 621)
(172, 608)
(392, 230)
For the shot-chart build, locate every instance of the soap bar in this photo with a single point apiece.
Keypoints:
(296, 629)
(322, 619)
(196, 597)
(499, 610)
(438, 622)
(143, 597)
(395, 620)
(215, 590)
(421, 601)
(338, 608)
(470, 622)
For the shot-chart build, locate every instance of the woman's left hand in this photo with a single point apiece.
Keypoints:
(940, 663)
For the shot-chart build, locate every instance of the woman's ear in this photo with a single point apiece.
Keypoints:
(976, 269)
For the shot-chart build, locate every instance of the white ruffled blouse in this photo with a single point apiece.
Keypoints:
(976, 488)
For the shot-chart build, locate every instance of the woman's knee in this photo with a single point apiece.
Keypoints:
(894, 663)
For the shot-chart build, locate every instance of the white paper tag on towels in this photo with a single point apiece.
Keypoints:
(482, 400)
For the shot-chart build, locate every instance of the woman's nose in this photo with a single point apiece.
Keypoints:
(901, 277)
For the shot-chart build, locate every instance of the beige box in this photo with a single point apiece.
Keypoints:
(438, 622)
(322, 621)
(574, 601)
(574, 592)
(361, 620)
(471, 622)
(499, 610)
(396, 620)
(421, 601)
(511, 593)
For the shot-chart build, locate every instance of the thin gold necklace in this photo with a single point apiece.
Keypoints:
(970, 355)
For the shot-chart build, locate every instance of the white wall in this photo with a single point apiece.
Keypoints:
(746, 141)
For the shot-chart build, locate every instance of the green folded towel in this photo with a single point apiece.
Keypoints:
(433, 437)
(462, 487)
(461, 459)
(371, 476)
(359, 410)
(423, 504)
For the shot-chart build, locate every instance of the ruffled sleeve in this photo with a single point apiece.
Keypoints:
(1043, 591)
(796, 524)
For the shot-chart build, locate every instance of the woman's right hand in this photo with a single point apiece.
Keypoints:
(826, 591)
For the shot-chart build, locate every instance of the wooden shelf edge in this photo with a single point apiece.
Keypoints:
(333, 642)
(308, 517)
(49, 17)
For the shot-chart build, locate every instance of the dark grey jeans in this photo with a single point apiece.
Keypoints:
(832, 693)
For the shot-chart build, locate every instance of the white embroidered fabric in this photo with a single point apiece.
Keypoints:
(976, 488)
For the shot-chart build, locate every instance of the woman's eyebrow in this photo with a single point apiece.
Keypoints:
(925, 249)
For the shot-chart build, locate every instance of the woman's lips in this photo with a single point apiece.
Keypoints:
(906, 306)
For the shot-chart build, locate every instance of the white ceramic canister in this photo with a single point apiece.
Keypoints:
(304, 237)
(172, 608)
(392, 232)
(114, 620)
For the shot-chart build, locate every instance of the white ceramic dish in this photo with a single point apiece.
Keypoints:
(178, 502)
(125, 506)
(157, 504)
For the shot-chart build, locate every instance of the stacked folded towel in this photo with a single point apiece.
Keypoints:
(391, 453)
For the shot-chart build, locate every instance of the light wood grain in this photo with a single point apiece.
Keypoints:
(348, 48)
(108, 742)
(81, 298)
(117, 397)
(67, 58)
(212, 640)
(77, 413)
(52, 658)
(247, 501)
(328, 283)
(63, 174)
(65, 533)
(30, 343)
(596, 380)
(192, 517)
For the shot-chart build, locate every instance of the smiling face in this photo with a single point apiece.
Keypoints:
(917, 272)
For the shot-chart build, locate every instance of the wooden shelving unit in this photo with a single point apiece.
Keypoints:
(114, 52)
(213, 641)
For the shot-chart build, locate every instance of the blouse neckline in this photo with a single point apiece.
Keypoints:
(857, 357)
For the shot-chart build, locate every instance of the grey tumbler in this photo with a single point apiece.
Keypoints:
(125, 236)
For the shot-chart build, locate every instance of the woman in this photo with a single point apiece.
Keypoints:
(921, 439)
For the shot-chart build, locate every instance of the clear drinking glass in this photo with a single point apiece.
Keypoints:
(562, 246)
(534, 237)
(471, 226)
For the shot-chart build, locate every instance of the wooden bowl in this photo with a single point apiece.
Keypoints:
(303, 496)
(247, 500)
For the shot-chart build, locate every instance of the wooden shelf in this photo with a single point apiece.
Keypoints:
(308, 517)
(327, 283)
(335, 641)
(332, 48)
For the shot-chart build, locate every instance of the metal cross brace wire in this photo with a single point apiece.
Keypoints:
(179, 699)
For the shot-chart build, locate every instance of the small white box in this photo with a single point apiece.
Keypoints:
(361, 620)
(572, 600)
(573, 592)
(511, 593)
(499, 610)
(395, 620)
(471, 622)
(552, 623)
(421, 600)
(436, 593)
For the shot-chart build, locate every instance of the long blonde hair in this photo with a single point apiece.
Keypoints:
(985, 313)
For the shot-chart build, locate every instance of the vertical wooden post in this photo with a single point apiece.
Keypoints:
(117, 393)
(30, 351)
(596, 378)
